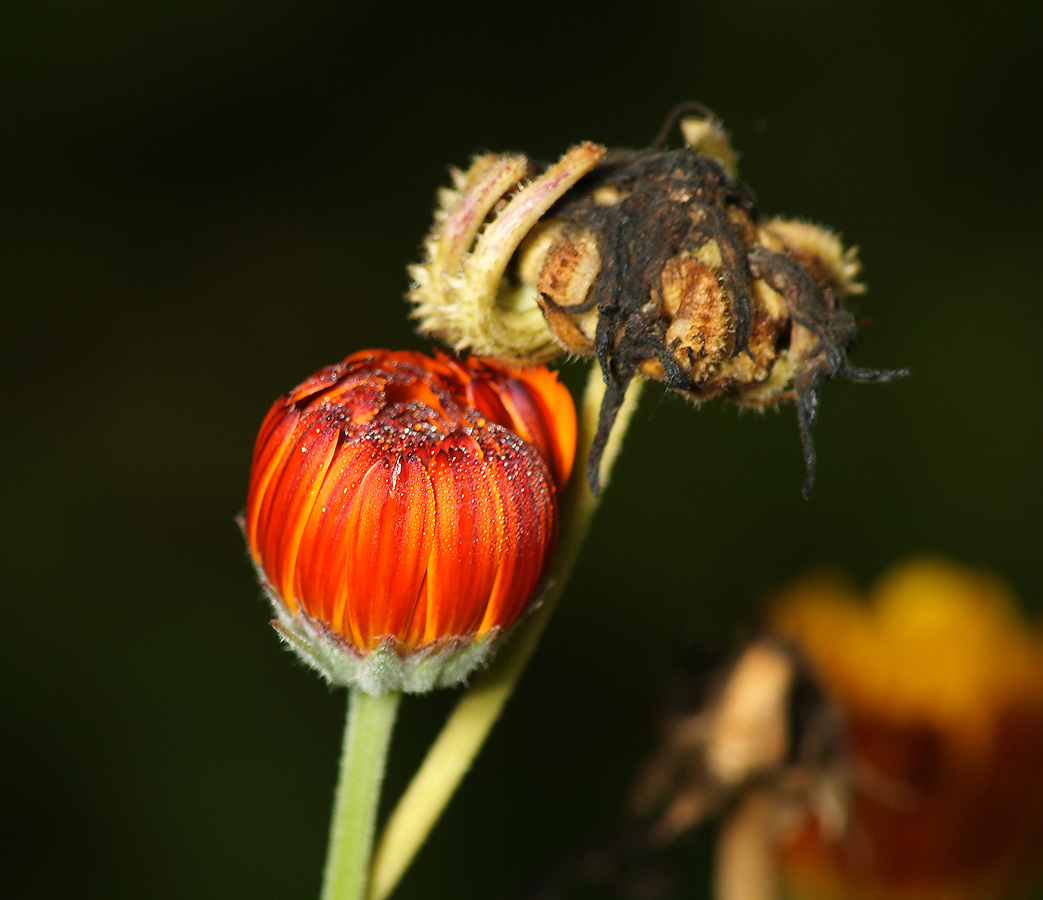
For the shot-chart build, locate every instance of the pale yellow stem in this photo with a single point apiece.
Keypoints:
(746, 860)
(464, 733)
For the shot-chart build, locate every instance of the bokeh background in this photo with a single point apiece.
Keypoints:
(206, 200)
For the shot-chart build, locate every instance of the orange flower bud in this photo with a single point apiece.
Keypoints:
(403, 510)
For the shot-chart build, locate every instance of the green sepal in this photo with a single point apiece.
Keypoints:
(387, 667)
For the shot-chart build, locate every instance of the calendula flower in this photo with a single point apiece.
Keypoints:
(941, 685)
(403, 509)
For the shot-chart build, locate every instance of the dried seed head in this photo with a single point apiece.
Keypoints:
(656, 261)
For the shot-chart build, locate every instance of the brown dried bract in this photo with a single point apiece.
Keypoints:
(761, 721)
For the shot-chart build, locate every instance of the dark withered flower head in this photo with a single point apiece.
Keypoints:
(658, 261)
(403, 510)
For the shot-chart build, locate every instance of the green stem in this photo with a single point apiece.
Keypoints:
(462, 737)
(366, 738)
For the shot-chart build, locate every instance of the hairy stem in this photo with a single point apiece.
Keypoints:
(366, 739)
(469, 724)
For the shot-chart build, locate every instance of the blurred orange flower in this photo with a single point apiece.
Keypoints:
(941, 683)
(403, 510)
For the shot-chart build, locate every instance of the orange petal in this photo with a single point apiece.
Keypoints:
(463, 561)
(387, 544)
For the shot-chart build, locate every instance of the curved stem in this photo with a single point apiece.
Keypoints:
(366, 738)
(464, 733)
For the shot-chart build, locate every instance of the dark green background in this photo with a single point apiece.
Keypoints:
(206, 201)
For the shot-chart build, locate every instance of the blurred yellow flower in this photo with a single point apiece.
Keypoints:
(941, 684)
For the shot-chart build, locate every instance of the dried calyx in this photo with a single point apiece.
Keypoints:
(657, 261)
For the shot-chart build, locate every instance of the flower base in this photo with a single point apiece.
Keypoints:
(445, 663)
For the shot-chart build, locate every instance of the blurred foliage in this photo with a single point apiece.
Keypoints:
(206, 201)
